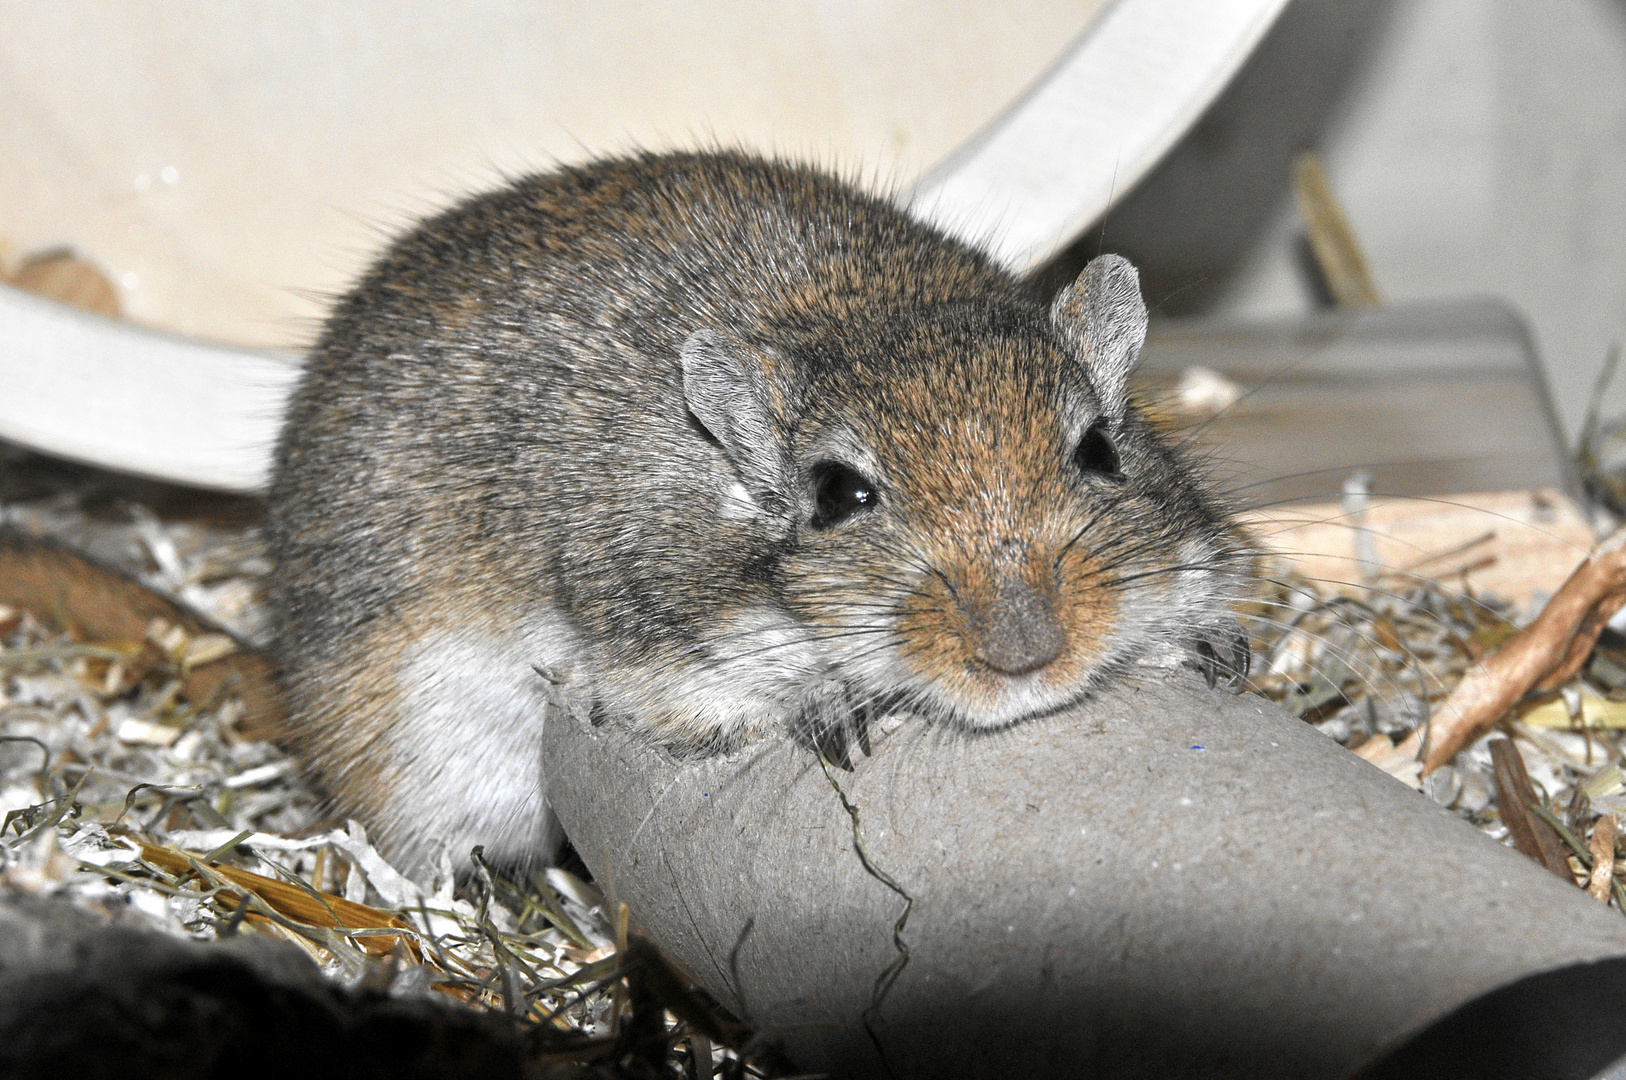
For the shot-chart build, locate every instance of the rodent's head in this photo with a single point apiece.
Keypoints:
(963, 505)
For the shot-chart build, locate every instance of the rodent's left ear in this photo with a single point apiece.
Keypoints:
(725, 384)
(1102, 317)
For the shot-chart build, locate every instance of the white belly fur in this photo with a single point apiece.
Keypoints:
(465, 751)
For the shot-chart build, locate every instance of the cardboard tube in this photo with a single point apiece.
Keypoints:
(1163, 882)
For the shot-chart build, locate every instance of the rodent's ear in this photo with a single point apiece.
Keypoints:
(726, 386)
(1102, 318)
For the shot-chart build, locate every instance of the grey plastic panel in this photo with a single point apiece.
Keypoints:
(1428, 398)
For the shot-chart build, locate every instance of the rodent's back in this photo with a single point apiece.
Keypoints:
(463, 348)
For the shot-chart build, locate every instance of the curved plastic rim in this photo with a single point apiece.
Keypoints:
(1091, 127)
(190, 412)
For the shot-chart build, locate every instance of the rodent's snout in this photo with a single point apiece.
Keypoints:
(995, 636)
(1018, 631)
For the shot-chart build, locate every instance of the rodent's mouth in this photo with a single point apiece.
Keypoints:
(990, 725)
(1008, 700)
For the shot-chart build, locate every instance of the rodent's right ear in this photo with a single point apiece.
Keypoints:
(725, 383)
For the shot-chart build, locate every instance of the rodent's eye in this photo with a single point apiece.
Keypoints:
(839, 492)
(1096, 455)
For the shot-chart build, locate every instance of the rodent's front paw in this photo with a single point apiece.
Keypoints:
(1221, 652)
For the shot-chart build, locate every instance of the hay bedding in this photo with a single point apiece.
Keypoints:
(122, 796)
(126, 798)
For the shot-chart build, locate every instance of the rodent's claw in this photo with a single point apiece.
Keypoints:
(1223, 652)
(834, 743)
(1206, 661)
(834, 726)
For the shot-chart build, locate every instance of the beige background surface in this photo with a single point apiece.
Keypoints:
(230, 164)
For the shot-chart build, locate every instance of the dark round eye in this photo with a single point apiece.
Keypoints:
(1095, 454)
(839, 492)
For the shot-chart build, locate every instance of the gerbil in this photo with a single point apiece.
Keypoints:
(725, 447)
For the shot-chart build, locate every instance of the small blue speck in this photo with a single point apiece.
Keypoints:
(1196, 747)
(705, 794)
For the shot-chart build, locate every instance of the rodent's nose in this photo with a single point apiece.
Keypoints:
(1019, 632)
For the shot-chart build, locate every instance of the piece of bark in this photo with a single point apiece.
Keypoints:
(97, 603)
(66, 278)
(1338, 253)
(1531, 835)
(1541, 657)
(1603, 858)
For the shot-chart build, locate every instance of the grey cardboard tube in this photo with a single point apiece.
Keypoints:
(1166, 881)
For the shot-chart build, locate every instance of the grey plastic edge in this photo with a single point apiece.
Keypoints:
(114, 395)
(1085, 133)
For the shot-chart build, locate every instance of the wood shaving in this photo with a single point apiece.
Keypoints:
(118, 795)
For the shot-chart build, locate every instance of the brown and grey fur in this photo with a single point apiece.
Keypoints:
(563, 439)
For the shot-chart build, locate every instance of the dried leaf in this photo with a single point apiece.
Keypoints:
(1603, 858)
(1596, 712)
(1532, 836)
